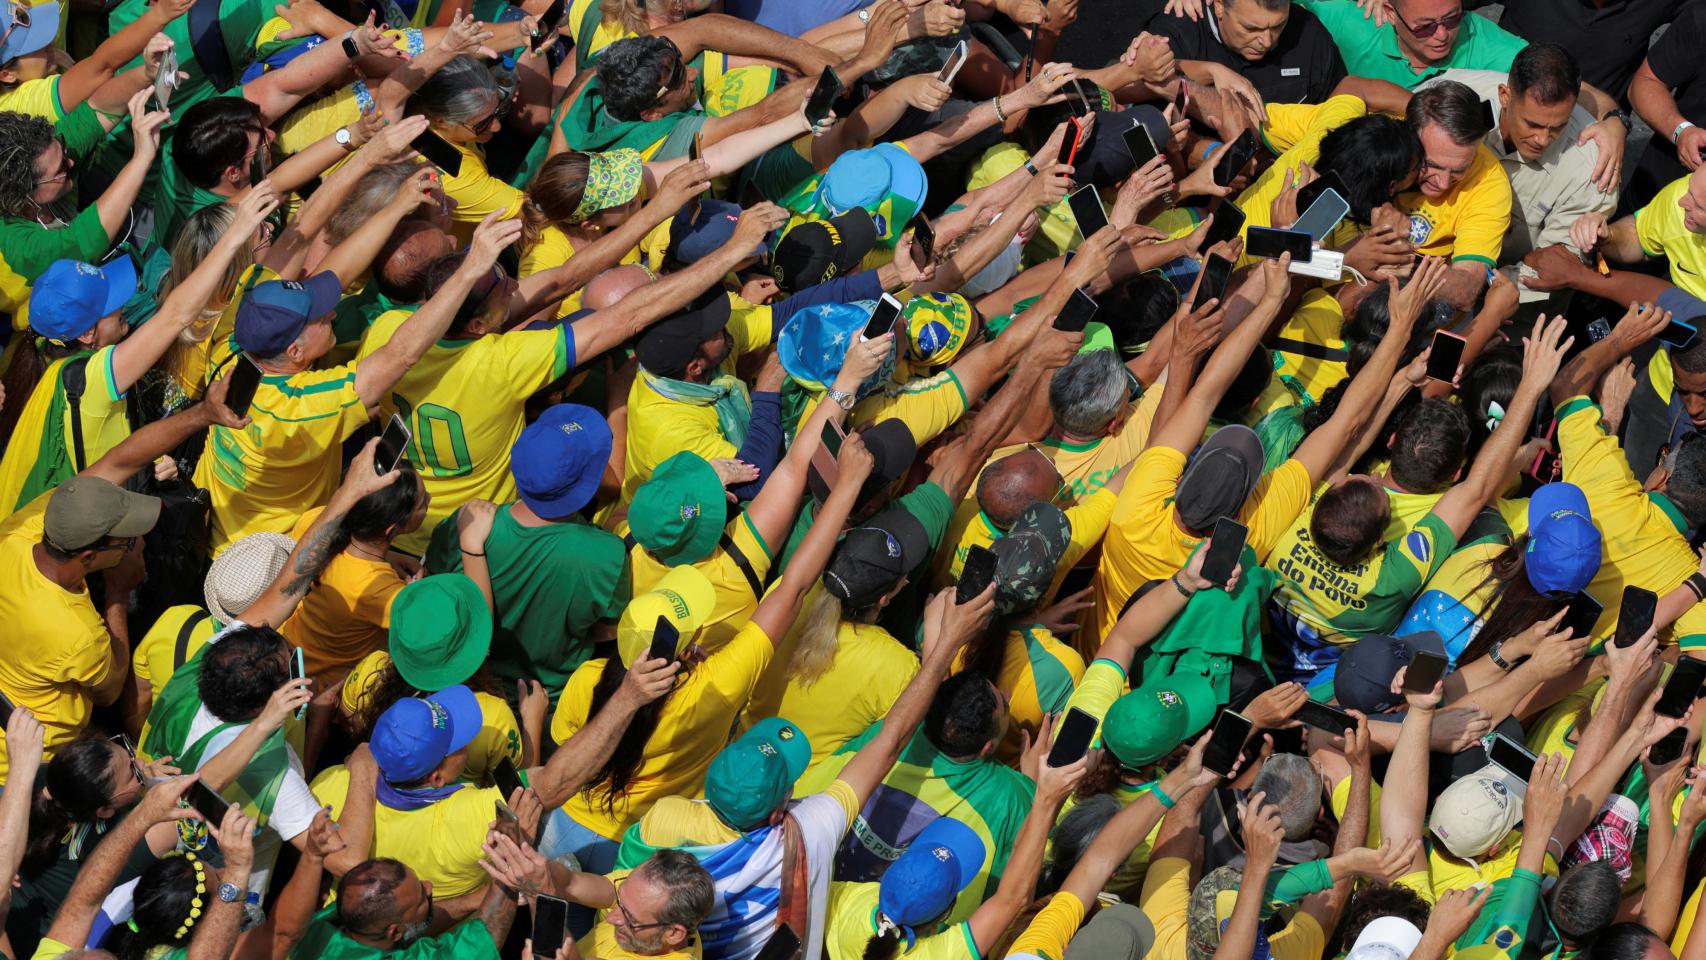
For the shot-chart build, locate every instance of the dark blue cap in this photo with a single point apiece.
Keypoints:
(71, 297)
(558, 460)
(702, 226)
(1363, 680)
(274, 313)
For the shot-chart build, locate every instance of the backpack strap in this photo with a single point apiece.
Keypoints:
(1314, 351)
(753, 580)
(208, 43)
(181, 650)
(74, 378)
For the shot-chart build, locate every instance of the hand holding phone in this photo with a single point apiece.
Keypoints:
(822, 96)
(393, 443)
(1225, 546)
(1216, 271)
(1226, 742)
(245, 378)
(1072, 737)
(1424, 672)
(1635, 616)
(665, 640)
(1445, 356)
(976, 574)
(1077, 313)
(550, 925)
(882, 320)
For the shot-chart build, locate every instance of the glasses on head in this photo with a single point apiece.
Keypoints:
(677, 76)
(1428, 28)
(20, 20)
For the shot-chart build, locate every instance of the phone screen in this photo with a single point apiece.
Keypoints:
(1635, 616)
(166, 80)
(507, 777)
(1584, 613)
(976, 575)
(1069, 143)
(1545, 466)
(882, 318)
(664, 640)
(1215, 272)
(1141, 145)
(1270, 244)
(245, 378)
(1232, 162)
(1669, 748)
(1512, 756)
(1228, 220)
(1424, 671)
(1325, 718)
(1225, 545)
(439, 153)
(548, 23)
(1226, 742)
(1314, 189)
(1079, 98)
(1087, 210)
(1682, 687)
(832, 437)
(1077, 313)
(923, 241)
(1598, 330)
(1322, 215)
(824, 470)
(393, 443)
(208, 803)
(1444, 356)
(782, 945)
(1072, 740)
(823, 95)
(550, 925)
(1677, 334)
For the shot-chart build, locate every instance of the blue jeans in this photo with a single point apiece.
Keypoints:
(596, 853)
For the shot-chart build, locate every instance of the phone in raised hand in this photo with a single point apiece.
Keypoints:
(1216, 270)
(245, 378)
(1681, 688)
(882, 318)
(393, 443)
(1232, 161)
(1086, 206)
(1424, 671)
(550, 925)
(1445, 356)
(438, 152)
(1225, 546)
(1072, 740)
(166, 80)
(976, 574)
(956, 60)
(1141, 145)
(1226, 742)
(822, 96)
(1228, 220)
(1268, 243)
(1077, 313)
(1512, 757)
(1635, 616)
(664, 640)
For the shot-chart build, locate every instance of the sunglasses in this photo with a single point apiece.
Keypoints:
(1428, 28)
(677, 76)
(130, 751)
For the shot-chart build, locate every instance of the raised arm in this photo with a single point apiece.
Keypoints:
(1019, 879)
(376, 146)
(216, 931)
(276, 92)
(732, 35)
(1404, 794)
(777, 610)
(113, 205)
(153, 441)
(1151, 613)
(88, 74)
(1640, 323)
(581, 756)
(351, 259)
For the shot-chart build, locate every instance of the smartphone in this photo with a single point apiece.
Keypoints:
(823, 95)
(832, 437)
(298, 671)
(167, 79)
(1669, 748)
(1270, 244)
(1584, 613)
(1424, 671)
(547, 24)
(550, 925)
(1077, 313)
(1682, 687)
(956, 60)
(1141, 145)
(1635, 616)
(1233, 158)
(507, 777)
(1226, 742)
(824, 469)
(1445, 356)
(1511, 756)
(1488, 118)
(1677, 334)
(1072, 740)
(923, 241)
(1325, 718)
(393, 443)
(1314, 189)
(1545, 466)
(883, 318)
(245, 378)
(1069, 142)
(1087, 209)
(1322, 215)
(664, 640)
(976, 575)
(1225, 546)
(1228, 221)
(439, 153)
(1216, 270)
(696, 149)
(207, 802)
(1181, 98)
(782, 945)
(1598, 330)
(1079, 97)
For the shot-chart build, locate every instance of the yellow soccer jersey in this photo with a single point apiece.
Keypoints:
(1468, 223)
(1662, 233)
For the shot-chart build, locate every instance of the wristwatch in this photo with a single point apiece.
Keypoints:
(351, 51)
(229, 893)
(344, 139)
(1498, 661)
(1622, 117)
(841, 399)
(865, 15)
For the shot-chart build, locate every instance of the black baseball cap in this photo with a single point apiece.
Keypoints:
(1220, 477)
(872, 558)
(1363, 679)
(820, 250)
(666, 347)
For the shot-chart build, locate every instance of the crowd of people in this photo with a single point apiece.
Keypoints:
(773, 479)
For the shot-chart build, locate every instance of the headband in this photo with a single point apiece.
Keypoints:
(612, 179)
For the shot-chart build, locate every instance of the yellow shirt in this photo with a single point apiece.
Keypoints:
(318, 119)
(157, 655)
(1050, 931)
(852, 924)
(1662, 233)
(104, 420)
(346, 614)
(54, 646)
(1295, 133)
(37, 98)
(735, 600)
(440, 841)
(1468, 223)
(464, 402)
(1087, 466)
(928, 406)
(1309, 350)
(869, 672)
(970, 528)
(1058, 230)
(692, 727)
(477, 193)
(286, 460)
(553, 249)
(601, 941)
(499, 736)
(1144, 541)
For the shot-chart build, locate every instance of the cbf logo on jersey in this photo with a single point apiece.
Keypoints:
(1421, 228)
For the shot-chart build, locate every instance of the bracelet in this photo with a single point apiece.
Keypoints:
(1498, 661)
(1676, 134)
(1180, 587)
(1000, 116)
(1696, 584)
(473, 553)
(1213, 145)
(1161, 796)
(1031, 168)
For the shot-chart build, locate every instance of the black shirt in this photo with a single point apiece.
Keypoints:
(1676, 61)
(1607, 41)
(1303, 67)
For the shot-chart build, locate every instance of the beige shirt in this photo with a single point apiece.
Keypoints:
(1548, 194)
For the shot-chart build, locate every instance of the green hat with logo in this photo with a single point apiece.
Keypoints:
(677, 515)
(1148, 723)
(755, 774)
(441, 631)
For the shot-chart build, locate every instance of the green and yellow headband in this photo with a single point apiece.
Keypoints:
(612, 179)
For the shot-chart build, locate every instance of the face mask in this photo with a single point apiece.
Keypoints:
(993, 277)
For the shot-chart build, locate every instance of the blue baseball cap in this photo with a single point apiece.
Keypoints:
(274, 313)
(942, 860)
(38, 33)
(1363, 680)
(1563, 544)
(558, 460)
(885, 180)
(700, 227)
(72, 296)
(414, 735)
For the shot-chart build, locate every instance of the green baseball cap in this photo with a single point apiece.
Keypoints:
(755, 774)
(677, 515)
(441, 631)
(1148, 723)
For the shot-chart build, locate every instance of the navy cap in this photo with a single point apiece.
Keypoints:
(667, 347)
(274, 314)
(71, 297)
(1105, 160)
(414, 735)
(558, 460)
(700, 227)
(1363, 680)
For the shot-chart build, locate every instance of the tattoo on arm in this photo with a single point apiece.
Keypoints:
(316, 553)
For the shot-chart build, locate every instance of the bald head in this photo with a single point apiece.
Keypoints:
(404, 258)
(612, 285)
(1013, 483)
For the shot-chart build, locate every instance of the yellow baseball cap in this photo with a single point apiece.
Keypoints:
(684, 597)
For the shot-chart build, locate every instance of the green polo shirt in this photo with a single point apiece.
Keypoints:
(1372, 51)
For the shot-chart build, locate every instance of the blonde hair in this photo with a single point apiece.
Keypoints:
(200, 233)
(815, 636)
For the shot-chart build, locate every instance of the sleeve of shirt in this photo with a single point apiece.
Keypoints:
(1593, 460)
(100, 386)
(1293, 884)
(751, 326)
(863, 285)
(1690, 628)
(733, 671)
(1503, 922)
(1675, 57)
(1653, 222)
(1051, 929)
(29, 248)
(1154, 478)
(572, 706)
(81, 129)
(1089, 519)
(478, 193)
(763, 444)
(294, 808)
(1581, 197)
(534, 358)
(1277, 502)
(1486, 214)
(1302, 939)
(927, 407)
(1101, 685)
(930, 506)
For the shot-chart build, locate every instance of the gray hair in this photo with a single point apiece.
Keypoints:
(1294, 788)
(375, 189)
(1089, 392)
(691, 893)
(459, 92)
(1074, 834)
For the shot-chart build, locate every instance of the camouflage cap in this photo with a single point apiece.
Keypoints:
(1028, 557)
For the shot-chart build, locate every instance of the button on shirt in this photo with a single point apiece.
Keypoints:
(1372, 51)
(1303, 67)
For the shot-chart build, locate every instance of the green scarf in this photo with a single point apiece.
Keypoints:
(53, 457)
(727, 393)
(590, 128)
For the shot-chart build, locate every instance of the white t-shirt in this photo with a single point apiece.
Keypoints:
(293, 810)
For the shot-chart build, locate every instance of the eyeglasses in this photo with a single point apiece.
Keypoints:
(632, 924)
(1428, 28)
(130, 751)
(677, 76)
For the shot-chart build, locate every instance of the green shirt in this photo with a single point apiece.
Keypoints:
(240, 23)
(1372, 51)
(27, 248)
(175, 197)
(323, 940)
(551, 585)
